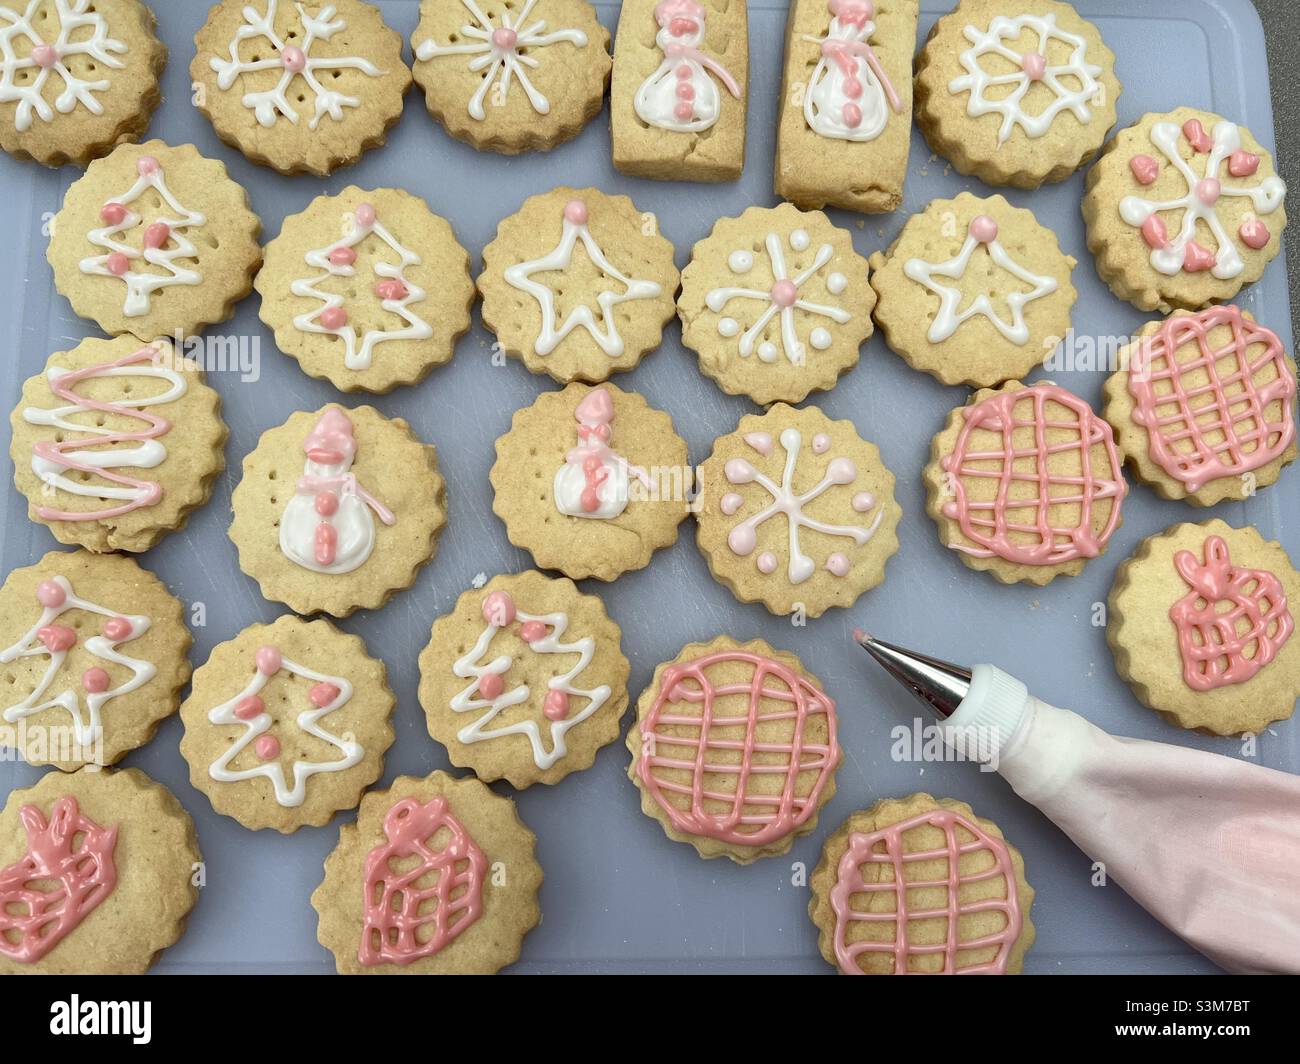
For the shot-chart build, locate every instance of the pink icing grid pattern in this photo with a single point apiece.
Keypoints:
(737, 815)
(991, 524)
(398, 909)
(1219, 427)
(885, 847)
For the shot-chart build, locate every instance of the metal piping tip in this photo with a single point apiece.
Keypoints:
(940, 684)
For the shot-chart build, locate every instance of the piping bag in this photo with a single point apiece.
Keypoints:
(1207, 844)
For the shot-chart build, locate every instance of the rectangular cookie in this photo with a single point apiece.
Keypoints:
(816, 170)
(698, 127)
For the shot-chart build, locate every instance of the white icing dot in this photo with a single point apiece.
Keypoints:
(863, 501)
(741, 261)
(820, 339)
(731, 502)
(821, 443)
(799, 240)
(728, 327)
(766, 562)
(767, 351)
(838, 564)
(836, 283)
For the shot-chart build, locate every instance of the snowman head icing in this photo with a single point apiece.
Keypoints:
(331, 444)
(682, 22)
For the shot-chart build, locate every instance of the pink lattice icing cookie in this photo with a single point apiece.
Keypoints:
(1202, 625)
(436, 877)
(1025, 482)
(1204, 405)
(921, 886)
(734, 749)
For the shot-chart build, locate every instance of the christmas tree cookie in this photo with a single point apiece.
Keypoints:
(286, 724)
(578, 314)
(779, 322)
(94, 654)
(97, 874)
(116, 442)
(76, 78)
(155, 240)
(1201, 623)
(437, 877)
(734, 749)
(299, 87)
(524, 680)
(337, 510)
(376, 306)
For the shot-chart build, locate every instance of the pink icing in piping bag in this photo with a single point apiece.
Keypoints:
(1209, 845)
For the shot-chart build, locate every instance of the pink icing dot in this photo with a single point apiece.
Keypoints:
(505, 38)
(766, 562)
(1242, 163)
(730, 503)
(984, 229)
(1145, 169)
(576, 212)
(146, 166)
(863, 501)
(391, 288)
(117, 263)
(117, 628)
(1155, 233)
(293, 58)
(50, 594)
(683, 72)
(556, 706)
(333, 317)
(1254, 234)
(784, 293)
(838, 565)
(684, 110)
(249, 707)
(268, 660)
(365, 215)
(532, 631)
(1034, 66)
(326, 503)
(343, 256)
(267, 747)
(1197, 259)
(499, 609)
(1196, 135)
(490, 685)
(95, 680)
(852, 115)
(1208, 191)
(322, 694)
(852, 88)
(57, 637)
(685, 91)
(45, 55)
(156, 235)
(112, 213)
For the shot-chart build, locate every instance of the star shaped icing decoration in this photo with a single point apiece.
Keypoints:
(983, 230)
(605, 333)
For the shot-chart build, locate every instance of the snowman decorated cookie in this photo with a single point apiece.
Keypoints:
(337, 510)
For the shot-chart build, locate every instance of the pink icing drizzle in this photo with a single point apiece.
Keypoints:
(1172, 402)
(64, 386)
(886, 847)
(85, 876)
(991, 525)
(1212, 647)
(726, 808)
(401, 907)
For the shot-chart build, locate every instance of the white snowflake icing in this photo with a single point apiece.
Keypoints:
(295, 61)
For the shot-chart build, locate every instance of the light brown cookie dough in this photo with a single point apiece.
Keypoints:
(974, 291)
(299, 87)
(376, 303)
(990, 497)
(578, 313)
(337, 510)
(510, 77)
(763, 709)
(116, 443)
(1020, 94)
(796, 511)
(524, 680)
(776, 303)
(596, 523)
(679, 98)
(1183, 210)
(1201, 623)
(835, 148)
(382, 905)
(93, 658)
(1204, 405)
(286, 724)
(856, 894)
(79, 78)
(155, 240)
(121, 847)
